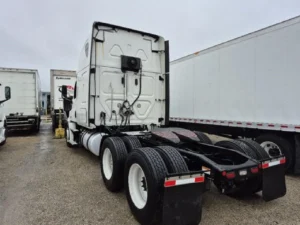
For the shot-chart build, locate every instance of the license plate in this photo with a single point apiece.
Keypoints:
(243, 172)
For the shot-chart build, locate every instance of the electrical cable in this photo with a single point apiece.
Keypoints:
(140, 90)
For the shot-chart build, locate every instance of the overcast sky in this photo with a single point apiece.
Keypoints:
(49, 34)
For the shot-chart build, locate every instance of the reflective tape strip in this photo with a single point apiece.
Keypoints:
(274, 163)
(170, 183)
(177, 182)
(268, 164)
(258, 125)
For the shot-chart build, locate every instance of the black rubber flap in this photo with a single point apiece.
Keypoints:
(183, 204)
(297, 154)
(274, 182)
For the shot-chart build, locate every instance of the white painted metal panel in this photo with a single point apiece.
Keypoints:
(237, 82)
(206, 85)
(24, 91)
(181, 89)
(57, 79)
(60, 80)
(106, 87)
(250, 81)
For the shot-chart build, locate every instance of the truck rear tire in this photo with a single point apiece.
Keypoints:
(53, 123)
(36, 129)
(172, 158)
(203, 138)
(131, 142)
(275, 145)
(260, 152)
(238, 146)
(113, 156)
(145, 173)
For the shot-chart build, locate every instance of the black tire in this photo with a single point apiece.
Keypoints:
(118, 152)
(36, 129)
(172, 158)
(260, 152)
(203, 138)
(155, 172)
(284, 145)
(131, 142)
(53, 123)
(248, 150)
(238, 146)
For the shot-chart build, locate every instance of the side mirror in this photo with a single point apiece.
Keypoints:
(64, 91)
(7, 93)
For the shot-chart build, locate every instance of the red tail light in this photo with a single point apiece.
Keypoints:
(170, 183)
(259, 166)
(282, 161)
(265, 165)
(254, 170)
(230, 175)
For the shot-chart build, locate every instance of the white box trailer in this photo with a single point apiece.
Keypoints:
(58, 78)
(4, 96)
(23, 109)
(247, 87)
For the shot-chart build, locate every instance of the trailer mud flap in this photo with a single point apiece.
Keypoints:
(273, 179)
(183, 199)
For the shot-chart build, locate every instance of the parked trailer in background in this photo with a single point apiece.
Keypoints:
(245, 87)
(58, 78)
(120, 112)
(23, 109)
(4, 96)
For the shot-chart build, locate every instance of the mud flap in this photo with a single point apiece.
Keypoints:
(183, 199)
(273, 179)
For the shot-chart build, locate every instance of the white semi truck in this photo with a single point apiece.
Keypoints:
(120, 113)
(23, 110)
(246, 87)
(4, 96)
(58, 78)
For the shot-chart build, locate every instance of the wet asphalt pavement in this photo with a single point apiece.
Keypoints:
(42, 181)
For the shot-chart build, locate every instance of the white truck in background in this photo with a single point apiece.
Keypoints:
(247, 87)
(23, 110)
(58, 78)
(120, 112)
(4, 96)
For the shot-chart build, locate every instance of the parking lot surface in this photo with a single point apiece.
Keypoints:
(42, 181)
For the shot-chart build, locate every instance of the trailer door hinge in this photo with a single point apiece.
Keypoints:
(160, 119)
(93, 70)
(161, 78)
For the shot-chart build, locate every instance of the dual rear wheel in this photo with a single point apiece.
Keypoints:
(254, 151)
(141, 171)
